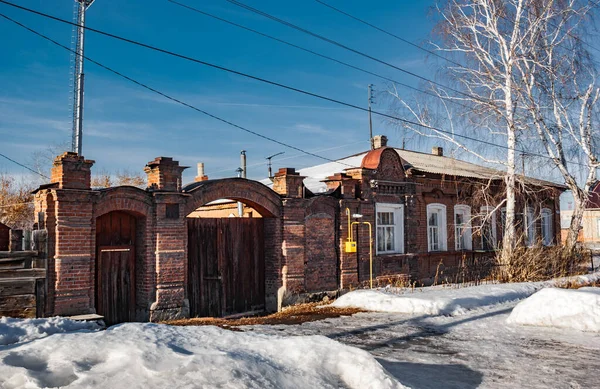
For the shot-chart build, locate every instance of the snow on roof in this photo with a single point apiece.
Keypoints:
(424, 162)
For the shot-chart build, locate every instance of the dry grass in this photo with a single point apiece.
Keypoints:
(577, 285)
(540, 263)
(296, 314)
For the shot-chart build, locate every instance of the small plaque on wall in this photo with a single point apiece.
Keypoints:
(172, 211)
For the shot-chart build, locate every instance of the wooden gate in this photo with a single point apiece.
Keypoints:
(115, 267)
(226, 272)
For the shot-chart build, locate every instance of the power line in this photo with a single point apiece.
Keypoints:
(167, 96)
(193, 9)
(406, 121)
(331, 41)
(388, 33)
(256, 78)
(22, 165)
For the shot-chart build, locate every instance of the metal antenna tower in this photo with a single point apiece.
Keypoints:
(371, 101)
(78, 75)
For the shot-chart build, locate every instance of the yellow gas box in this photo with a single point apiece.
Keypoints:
(350, 247)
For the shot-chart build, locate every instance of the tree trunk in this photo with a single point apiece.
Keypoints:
(575, 227)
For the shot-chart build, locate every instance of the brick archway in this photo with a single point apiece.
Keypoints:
(138, 204)
(233, 263)
(253, 193)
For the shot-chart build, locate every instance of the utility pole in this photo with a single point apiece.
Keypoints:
(370, 120)
(240, 205)
(243, 163)
(269, 163)
(82, 6)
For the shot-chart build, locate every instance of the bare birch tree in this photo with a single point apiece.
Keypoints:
(561, 96)
(497, 42)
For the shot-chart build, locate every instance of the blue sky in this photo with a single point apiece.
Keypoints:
(127, 126)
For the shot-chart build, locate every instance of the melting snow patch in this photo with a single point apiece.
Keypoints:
(436, 300)
(23, 330)
(159, 356)
(566, 308)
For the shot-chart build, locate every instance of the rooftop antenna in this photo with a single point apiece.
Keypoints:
(269, 163)
(78, 76)
(371, 101)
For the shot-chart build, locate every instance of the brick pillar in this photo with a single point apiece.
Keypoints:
(288, 183)
(71, 171)
(348, 261)
(293, 244)
(73, 253)
(171, 258)
(71, 240)
(164, 174)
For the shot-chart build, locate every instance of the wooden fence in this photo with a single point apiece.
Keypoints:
(23, 276)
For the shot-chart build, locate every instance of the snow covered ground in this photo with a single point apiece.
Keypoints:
(19, 330)
(149, 356)
(438, 300)
(447, 299)
(440, 337)
(566, 308)
(474, 350)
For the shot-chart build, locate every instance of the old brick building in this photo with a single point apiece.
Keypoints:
(133, 254)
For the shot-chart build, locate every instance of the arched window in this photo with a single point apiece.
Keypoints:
(462, 227)
(530, 226)
(488, 228)
(547, 230)
(436, 228)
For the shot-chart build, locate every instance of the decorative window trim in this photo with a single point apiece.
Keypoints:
(467, 233)
(530, 226)
(442, 229)
(546, 213)
(484, 212)
(398, 211)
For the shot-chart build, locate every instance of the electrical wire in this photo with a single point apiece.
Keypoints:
(358, 52)
(312, 94)
(168, 96)
(387, 33)
(329, 58)
(24, 166)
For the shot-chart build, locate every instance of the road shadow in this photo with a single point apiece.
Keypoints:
(432, 376)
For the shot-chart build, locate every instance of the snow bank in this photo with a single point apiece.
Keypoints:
(159, 356)
(437, 300)
(23, 330)
(566, 308)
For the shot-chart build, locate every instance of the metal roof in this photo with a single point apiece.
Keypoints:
(423, 162)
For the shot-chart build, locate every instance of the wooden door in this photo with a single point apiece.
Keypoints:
(226, 266)
(115, 267)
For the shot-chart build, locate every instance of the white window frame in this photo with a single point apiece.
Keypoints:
(530, 233)
(465, 211)
(547, 226)
(487, 212)
(440, 209)
(398, 211)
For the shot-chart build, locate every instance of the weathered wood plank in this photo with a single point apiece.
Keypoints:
(40, 297)
(18, 254)
(17, 287)
(18, 306)
(23, 273)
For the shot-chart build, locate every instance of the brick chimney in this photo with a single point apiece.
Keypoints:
(288, 183)
(379, 141)
(164, 174)
(71, 171)
(347, 184)
(436, 150)
(201, 176)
